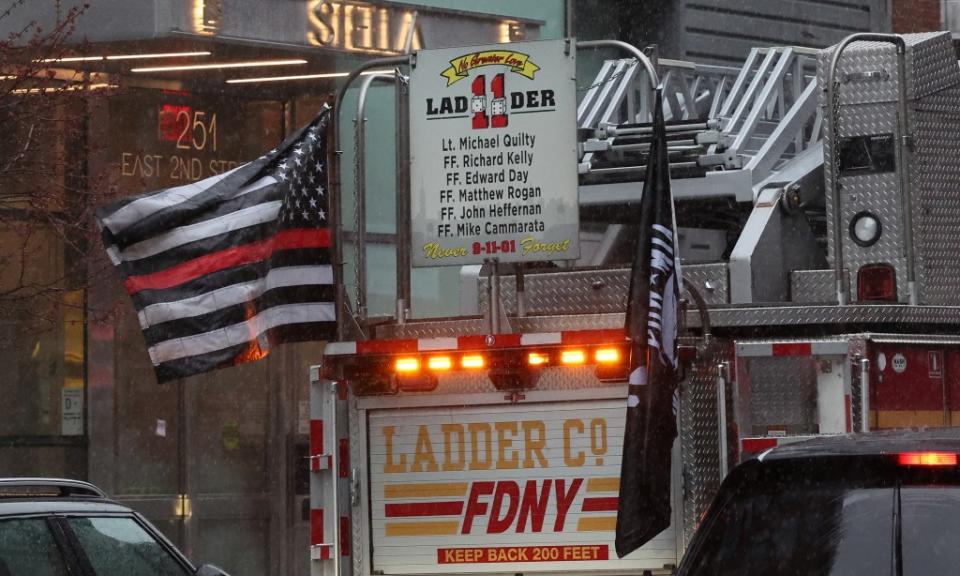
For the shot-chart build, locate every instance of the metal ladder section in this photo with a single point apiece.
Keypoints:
(614, 114)
(753, 120)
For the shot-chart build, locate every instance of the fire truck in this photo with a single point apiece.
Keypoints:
(817, 199)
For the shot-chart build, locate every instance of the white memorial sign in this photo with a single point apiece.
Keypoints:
(493, 154)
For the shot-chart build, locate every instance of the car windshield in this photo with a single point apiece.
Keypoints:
(121, 546)
(793, 524)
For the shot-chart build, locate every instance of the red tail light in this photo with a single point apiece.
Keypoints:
(876, 283)
(927, 459)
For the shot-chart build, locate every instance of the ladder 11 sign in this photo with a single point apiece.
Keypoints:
(493, 154)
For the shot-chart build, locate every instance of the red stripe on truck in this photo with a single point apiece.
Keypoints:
(316, 532)
(344, 535)
(600, 504)
(450, 508)
(792, 349)
(758, 444)
(480, 342)
(344, 463)
(611, 336)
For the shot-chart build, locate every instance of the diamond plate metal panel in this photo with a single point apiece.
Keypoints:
(783, 395)
(933, 62)
(711, 280)
(826, 315)
(813, 286)
(699, 443)
(568, 292)
(878, 194)
(935, 177)
(357, 527)
(928, 68)
(858, 59)
(596, 291)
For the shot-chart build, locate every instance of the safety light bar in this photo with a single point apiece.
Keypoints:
(572, 357)
(439, 363)
(927, 459)
(607, 356)
(407, 365)
(472, 361)
(537, 359)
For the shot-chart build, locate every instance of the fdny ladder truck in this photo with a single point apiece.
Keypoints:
(818, 203)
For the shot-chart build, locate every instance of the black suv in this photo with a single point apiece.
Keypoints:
(51, 527)
(875, 504)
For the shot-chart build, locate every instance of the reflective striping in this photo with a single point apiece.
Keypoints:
(597, 524)
(603, 484)
(340, 348)
(812, 348)
(428, 344)
(540, 339)
(344, 535)
(316, 533)
(422, 528)
(425, 490)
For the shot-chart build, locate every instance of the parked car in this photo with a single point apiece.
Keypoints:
(54, 527)
(870, 504)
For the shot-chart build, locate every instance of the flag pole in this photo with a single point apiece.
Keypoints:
(333, 175)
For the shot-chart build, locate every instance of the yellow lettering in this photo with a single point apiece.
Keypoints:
(424, 452)
(503, 443)
(475, 429)
(531, 446)
(568, 459)
(391, 467)
(450, 430)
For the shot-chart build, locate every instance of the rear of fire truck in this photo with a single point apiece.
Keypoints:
(817, 203)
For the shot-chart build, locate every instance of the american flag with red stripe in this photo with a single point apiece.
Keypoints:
(223, 269)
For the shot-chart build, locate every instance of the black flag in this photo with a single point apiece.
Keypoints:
(651, 323)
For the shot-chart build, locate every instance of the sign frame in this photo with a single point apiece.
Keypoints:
(493, 154)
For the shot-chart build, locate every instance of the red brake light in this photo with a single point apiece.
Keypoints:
(876, 283)
(927, 459)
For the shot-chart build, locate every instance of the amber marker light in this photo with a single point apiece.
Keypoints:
(927, 459)
(607, 356)
(439, 363)
(537, 359)
(407, 365)
(573, 357)
(472, 361)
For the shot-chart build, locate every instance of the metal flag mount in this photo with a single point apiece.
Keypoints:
(651, 324)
